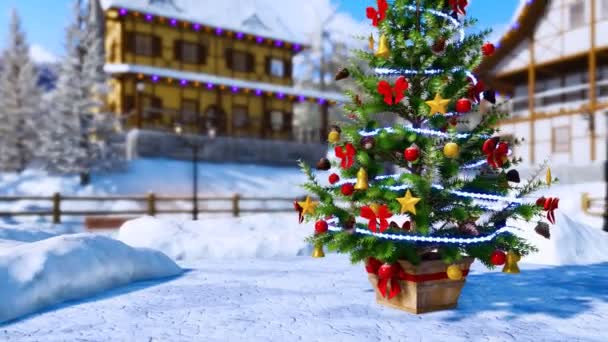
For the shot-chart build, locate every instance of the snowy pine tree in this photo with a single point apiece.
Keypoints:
(81, 138)
(19, 101)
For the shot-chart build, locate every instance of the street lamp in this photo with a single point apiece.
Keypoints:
(194, 145)
(139, 88)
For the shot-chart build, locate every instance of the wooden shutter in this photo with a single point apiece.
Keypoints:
(250, 62)
(268, 61)
(229, 53)
(129, 42)
(287, 68)
(201, 54)
(177, 50)
(157, 46)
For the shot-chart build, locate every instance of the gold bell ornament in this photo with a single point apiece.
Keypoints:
(511, 264)
(333, 137)
(318, 251)
(361, 180)
(383, 49)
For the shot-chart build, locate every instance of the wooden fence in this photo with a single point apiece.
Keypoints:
(151, 201)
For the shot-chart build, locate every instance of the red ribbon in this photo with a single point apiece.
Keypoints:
(496, 152)
(397, 273)
(458, 6)
(392, 95)
(382, 215)
(346, 154)
(377, 16)
(549, 205)
(475, 90)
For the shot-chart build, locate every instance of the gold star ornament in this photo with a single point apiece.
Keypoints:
(408, 203)
(308, 206)
(438, 104)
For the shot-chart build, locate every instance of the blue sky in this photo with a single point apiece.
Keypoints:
(45, 23)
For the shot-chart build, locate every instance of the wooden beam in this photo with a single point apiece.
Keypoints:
(546, 115)
(592, 84)
(531, 88)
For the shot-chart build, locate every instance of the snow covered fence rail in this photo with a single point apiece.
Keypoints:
(148, 205)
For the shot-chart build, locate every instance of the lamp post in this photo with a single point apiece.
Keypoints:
(139, 88)
(195, 147)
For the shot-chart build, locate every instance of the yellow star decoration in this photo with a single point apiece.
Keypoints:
(408, 203)
(438, 104)
(308, 206)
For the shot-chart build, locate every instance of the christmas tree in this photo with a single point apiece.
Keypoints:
(455, 185)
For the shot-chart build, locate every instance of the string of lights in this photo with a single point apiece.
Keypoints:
(332, 226)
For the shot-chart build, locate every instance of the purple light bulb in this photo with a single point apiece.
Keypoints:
(240, 35)
(301, 98)
(123, 11)
(280, 95)
(209, 85)
(278, 43)
(259, 40)
(296, 47)
(149, 17)
(183, 82)
(235, 89)
(218, 31)
(173, 22)
(258, 92)
(155, 78)
(196, 27)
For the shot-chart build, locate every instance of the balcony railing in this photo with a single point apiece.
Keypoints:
(562, 98)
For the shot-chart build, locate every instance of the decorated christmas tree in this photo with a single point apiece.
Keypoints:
(455, 184)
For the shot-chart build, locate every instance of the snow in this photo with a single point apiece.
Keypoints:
(329, 299)
(34, 276)
(253, 236)
(219, 80)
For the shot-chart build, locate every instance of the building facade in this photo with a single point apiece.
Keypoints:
(552, 65)
(204, 65)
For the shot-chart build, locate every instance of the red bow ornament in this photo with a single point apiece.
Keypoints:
(382, 214)
(475, 90)
(386, 273)
(549, 205)
(458, 6)
(299, 209)
(346, 154)
(392, 95)
(377, 16)
(496, 152)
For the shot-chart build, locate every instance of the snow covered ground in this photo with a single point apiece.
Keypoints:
(233, 291)
(36, 275)
(300, 298)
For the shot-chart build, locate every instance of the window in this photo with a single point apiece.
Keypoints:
(277, 67)
(189, 111)
(144, 45)
(276, 120)
(240, 117)
(239, 60)
(152, 107)
(561, 139)
(189, 52)
(577, 14)
(604, 9)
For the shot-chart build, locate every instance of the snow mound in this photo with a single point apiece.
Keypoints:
(254, 236)
(34, 276)
(571, 243)
(24, 233)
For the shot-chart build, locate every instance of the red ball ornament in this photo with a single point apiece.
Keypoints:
(498, 258)
(347, 189)
(463, 106)
(334, 178)
(386, 271)
(488, 49)
(320, 227)
(411, 153)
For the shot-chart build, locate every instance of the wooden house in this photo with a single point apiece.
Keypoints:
(222, 65)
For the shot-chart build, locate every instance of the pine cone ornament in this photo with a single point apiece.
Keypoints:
(438, 47)
(542, 229)
(468, 228)
(342, 74)
(323, 164)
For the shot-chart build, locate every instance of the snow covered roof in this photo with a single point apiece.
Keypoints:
(255, 17)
(218, 80)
